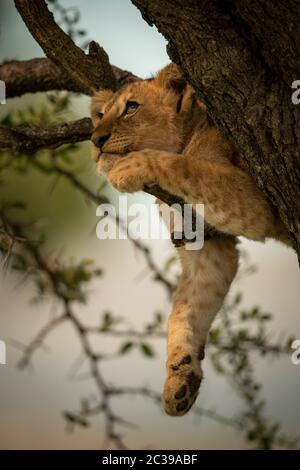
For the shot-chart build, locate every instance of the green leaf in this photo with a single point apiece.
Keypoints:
(76, 419)
(214, 335)
(237, 299)
(147, 350)
(266, 316)
(125, 348)
(254, 312)
(107, 321)
(159, 318)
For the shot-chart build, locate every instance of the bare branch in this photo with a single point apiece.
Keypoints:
(39, 339)
(31, 76)
(30, 139)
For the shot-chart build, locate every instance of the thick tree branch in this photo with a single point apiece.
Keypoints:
(90, 71)
(31, 76)
(30, 139)
(74, 70)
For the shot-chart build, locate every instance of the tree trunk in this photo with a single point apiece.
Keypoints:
(241, 57)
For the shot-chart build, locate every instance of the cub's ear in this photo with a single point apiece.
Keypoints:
(171, 78)
(99, 100)
(182, 95)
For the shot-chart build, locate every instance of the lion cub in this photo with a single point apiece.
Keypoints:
(165, 137)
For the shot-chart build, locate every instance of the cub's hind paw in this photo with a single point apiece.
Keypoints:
(182, 385)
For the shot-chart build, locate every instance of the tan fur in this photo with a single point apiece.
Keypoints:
(169, 141)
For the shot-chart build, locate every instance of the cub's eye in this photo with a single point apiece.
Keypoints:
(131, 107)
(99, 115)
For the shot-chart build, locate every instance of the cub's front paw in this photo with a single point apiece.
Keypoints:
(106, 162)
(182, 384)
(131, 173)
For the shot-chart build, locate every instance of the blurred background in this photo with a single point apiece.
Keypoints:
(34, 400)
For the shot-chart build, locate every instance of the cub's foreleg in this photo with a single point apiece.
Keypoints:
(233, 202)
(206, 277)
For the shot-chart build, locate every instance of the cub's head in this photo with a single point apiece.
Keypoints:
(159, 113)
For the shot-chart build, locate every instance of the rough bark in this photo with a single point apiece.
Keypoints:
(241, 57)
(35, 75)
(30, 139)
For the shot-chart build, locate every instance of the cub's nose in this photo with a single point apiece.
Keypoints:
(100, 140)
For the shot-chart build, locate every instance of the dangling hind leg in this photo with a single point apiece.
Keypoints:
(206, 277)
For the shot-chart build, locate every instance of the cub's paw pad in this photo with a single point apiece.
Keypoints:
(182, 385)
